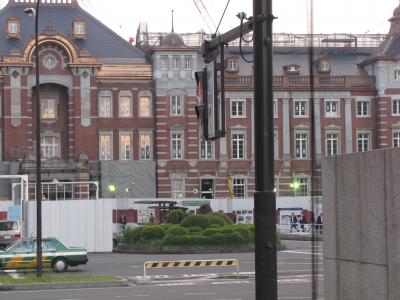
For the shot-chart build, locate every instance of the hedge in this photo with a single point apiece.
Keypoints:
(195, 229)
(176, 216)
(201, 221)
(178, 240)
(152, 232)
(178, 230)
(227, 220)
(216, 219)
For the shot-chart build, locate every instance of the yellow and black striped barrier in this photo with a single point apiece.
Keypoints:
(191, 264)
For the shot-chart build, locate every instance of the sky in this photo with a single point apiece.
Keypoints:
(330, 16)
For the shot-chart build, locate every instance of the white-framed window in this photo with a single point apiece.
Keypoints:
(176, 105)
(48, 106)
(79, 28)
(125, 104)
(176, 145)
(332, 108)
(396, 138)
(324, 65)
(50, 147)
(239, 187)
(206, 149)
(164, 62)
(396, 74)
(178, 187)
(301, 186)
(188, 62)
(125, 145)
(331, 143)
(13, 28)
(232, 64)
(275, 108)
(276, 140)
(238, 108)
(105, 145)
(145, 152)
(363, 108)
(238, 145)
(300, 108)
(395, 107)
(144, 106)
(363, 141)
(176, 62)
(301, 144)
(105, 104)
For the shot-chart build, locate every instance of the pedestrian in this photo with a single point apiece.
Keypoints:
(302, 222)
(319, 223)
(122, 221)
(293, 222)
(151, 219)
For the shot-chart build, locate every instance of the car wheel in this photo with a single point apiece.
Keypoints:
(60, 265)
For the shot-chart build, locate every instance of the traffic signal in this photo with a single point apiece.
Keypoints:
(201, 87)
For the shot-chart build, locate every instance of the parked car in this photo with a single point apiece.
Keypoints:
(56, 255)
(10, 231)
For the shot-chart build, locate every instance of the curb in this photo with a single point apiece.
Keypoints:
(299, 237)
(66, 285)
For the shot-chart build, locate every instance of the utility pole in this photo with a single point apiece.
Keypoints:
(264, 196)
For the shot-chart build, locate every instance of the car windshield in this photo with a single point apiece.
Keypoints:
(5, 226)
(11, 245)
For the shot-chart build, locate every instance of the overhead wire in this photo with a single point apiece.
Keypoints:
(223, 14)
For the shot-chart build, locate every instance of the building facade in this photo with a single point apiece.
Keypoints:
(113, 112)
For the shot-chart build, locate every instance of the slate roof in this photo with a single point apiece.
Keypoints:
(100, 41)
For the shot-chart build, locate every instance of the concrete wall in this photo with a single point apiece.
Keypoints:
(361, 200)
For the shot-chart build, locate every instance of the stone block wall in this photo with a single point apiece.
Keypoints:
(361, 203)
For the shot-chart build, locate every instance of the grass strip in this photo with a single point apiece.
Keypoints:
(30, 278)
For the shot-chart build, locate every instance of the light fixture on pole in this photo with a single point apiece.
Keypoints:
(35, 12)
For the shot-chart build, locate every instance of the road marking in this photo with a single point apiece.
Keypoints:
(198, 294)
(301, 252)
(129, 296)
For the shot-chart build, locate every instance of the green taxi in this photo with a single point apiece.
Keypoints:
(55, 255)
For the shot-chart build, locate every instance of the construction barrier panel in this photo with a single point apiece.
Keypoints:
(191, 264)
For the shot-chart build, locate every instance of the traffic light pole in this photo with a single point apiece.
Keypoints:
(264, 197)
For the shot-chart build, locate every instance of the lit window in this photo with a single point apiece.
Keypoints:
(300, 108)
(205, 149)
(238, 145)
(50, 147)
(125, 146)
(301, 145)
(177, 145)
(125, 106)
(396, 107)
(49, 108)
(105, 146)
(331, 108)
(239, 187)
(301, 186)
(145, 146)
(332, 144)
(176, 105)
(238, 108)
(362, 108)
(363, 141)
(396, 139)
(144, 106)
(105, 106)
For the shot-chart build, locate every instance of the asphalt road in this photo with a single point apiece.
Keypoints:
(294, 278)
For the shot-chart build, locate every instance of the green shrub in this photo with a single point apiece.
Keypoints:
(214, 226)
(132, 235)
(233, 238)
(152, 232)
(178, 240)
(216, 219)
(227, 220)
(209, 231)
(244, 231)
(167, 226)
(177, 230)
(176, 216)
(204, 209)
(195, 229)
(201, 221)
(226, 229)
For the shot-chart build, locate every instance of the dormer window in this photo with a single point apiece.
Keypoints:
(13, 28)
(324, 65)
(79, 29)
(292, 69)
(232, 64)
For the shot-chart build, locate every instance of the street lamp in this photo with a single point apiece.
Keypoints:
(35, 12)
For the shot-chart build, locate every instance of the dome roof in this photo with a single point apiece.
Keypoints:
(172, 40)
